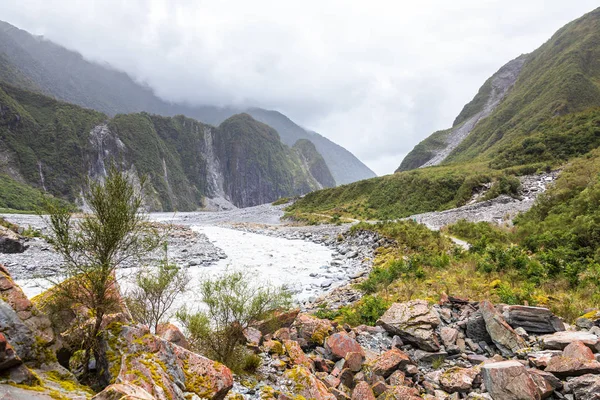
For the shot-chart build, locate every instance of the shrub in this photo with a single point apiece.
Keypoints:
(156, 290)
(232, 304)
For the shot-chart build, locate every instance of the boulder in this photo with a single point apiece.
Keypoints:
(27, 329)
(172, 334)
(296, 354)
(560, 340)
(354, 360)
(340, 344)
(401, 393)
(476, 329)
(307, 385)
(427, 357)
(135, 356)
(10, 242)
(363, 391)
(578, 349)
(564, 367)
(509, 380)
(390, 361)
(533, 319)
(273, 347)
(127, 391)
(414, 321)
(281, 319)
(586, 387)
(552, 380)
(458, 379)
(312, 329)
(542, 385)
(8, 356)
(503, 336)
(253, 336)
(448, 335)
(540, 359)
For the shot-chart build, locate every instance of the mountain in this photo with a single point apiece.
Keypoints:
(536, 113)
(559, 78)
(54, 146)
(34, 63)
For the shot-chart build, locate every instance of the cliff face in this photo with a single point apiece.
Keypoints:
(36, 64)
(54, 146)
(434, 149)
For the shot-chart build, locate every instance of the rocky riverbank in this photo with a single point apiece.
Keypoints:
(450, 350)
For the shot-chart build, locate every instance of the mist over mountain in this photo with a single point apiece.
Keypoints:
(35, 63)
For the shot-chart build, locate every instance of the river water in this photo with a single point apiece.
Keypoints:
(301, 266)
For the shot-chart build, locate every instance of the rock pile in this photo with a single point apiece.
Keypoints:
(452, 350)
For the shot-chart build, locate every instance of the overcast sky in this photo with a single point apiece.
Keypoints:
(374, 76)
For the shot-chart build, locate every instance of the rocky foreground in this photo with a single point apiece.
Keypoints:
(451, 350)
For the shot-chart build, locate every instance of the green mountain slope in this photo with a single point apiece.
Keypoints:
(54, 146)
(559, 78)
(536, 113)
(34, 63)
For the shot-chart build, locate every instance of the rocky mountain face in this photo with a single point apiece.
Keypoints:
(559, 78)
(54, 146)
(34, 63)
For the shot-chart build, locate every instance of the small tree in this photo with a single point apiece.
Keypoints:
(233, 304)
(150, 302)
(95, 245)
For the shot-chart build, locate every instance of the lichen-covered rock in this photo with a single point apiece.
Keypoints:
(532, 319)
(161, 368)
(340, 344)
(172, 334)
(313, 330)
(401, 393)
(363, 391)
(509, 380)
(119, 391)
(389, 362)
(27, 329)
(294, 351)
(8, 356)
(458, 379)
(503, 336)
(280, 319)
(354, 360)
(414, 321)
(307, 385)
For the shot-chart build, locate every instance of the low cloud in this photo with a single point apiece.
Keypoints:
(376, 77)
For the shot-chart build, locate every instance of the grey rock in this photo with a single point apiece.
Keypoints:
(414, 322)
(532, 319)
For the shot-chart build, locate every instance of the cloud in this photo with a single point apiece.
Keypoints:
(376, 77)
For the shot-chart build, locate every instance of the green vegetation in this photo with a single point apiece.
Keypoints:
(554, 141)
(549, 258)
(403, 194)
(94, 246)
(54, 146)
(559, 78)
(424, 151)
(233, 304)
(156, 290)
